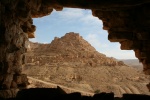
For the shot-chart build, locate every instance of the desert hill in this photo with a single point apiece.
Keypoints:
(71, 61)
(69, 48)
(133, 63)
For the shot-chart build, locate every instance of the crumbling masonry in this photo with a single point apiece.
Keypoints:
(127, 22)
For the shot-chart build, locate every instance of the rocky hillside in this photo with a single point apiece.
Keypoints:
(71, 61)
(69, 48)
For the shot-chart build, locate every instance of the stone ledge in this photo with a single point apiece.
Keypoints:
(11, 93)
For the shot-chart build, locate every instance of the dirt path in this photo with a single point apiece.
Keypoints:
(63, 87)
(120, 89)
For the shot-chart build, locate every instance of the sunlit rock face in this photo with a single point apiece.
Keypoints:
(71, 61)
(127, 22)
(69, 48)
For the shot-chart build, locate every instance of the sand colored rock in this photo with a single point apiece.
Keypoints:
(71, 61)
(69, 48)
(16, 27)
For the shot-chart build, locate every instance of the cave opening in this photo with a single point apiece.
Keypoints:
(81, 21)
(75, 20)
(127, 22)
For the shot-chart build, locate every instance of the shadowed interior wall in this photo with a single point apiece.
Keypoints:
(127, 22)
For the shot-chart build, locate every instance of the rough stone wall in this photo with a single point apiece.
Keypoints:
(130, 27)
(15, 26)
(127, 22)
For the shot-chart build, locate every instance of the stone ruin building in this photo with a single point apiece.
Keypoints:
(127, 22)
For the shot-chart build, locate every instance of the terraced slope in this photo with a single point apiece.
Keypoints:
(72, 62)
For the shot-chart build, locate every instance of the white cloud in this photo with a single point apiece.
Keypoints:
(71, 13)
(119, 54)
(33, 39)
(45, 43)
(113, 50)
(90, 19)
(79, 15)
(109, 49)
(94, 41)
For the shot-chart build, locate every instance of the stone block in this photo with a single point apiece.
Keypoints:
(23, 59)
(148, 86)
(140, 55)
(13, 84)
(106, 26)
(146, 46)
(130, 45)
(119, 36)
(58, 8)
(21, 80)
(10, 56)
(18, 79)
(143, 36)
(94, 12)
(146, 71)
(31, 29)
(143, 55)
(18, 40)
(7, 94)
(31, 35)
(7, 81)
(137, 53)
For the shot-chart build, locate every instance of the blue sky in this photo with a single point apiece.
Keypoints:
(81, 21)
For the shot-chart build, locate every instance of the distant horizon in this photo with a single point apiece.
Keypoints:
(129, 59)
(79, 21)
(87, 41)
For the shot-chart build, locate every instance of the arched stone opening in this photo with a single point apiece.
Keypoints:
(127, 23)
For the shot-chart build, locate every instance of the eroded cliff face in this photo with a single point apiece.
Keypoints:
(127, 22)
(70, 48)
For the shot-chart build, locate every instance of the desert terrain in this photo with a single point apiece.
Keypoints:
(70, 61)
(133, 63)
